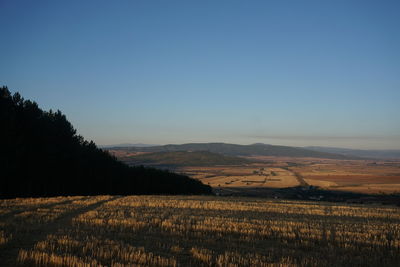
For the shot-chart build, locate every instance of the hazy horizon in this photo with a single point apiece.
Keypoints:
(307, 73)
(293, 143)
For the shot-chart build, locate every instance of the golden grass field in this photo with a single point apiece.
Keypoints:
(195, 231)
(363, 176)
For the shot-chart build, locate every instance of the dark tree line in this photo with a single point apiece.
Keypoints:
(42, 155)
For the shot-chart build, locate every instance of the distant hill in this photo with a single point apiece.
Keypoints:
(41, 155)
(127, 145)
(183, 158)
(372, 154)
(240, 150)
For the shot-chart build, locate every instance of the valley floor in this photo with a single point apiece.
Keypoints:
(196, 231)
(358, 176)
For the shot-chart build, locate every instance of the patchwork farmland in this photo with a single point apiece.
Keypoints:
(359, 176)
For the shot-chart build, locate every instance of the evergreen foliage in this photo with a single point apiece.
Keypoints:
(42, 155)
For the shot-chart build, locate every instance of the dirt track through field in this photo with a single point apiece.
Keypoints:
(27, 240)
(298, 176)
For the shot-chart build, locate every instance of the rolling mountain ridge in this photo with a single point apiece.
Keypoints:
(240, 150)
(183, 158)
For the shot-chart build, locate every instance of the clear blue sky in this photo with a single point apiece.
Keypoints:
(279, 72)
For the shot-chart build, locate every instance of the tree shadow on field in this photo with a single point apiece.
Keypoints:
(27, 239)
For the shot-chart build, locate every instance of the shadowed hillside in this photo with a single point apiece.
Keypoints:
(41, 155)
(184, 158)
(240, 150)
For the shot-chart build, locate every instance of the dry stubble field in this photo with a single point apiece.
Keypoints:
(195, 231)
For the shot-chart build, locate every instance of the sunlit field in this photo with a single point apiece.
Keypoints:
(195, 231)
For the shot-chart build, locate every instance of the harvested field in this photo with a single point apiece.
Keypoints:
(320, 183)
(196, 231)
(356, 179)
(361, 176)
(237, 176)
